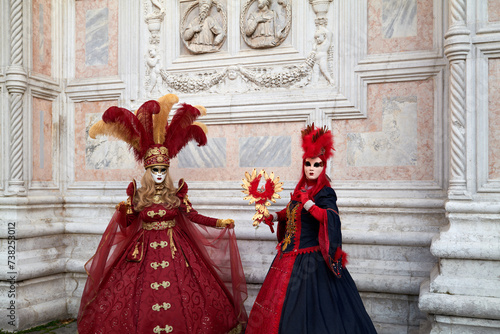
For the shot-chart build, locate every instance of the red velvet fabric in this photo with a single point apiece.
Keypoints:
(206, 281)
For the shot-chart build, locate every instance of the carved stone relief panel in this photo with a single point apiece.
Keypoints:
(265, 23)
(203, 26)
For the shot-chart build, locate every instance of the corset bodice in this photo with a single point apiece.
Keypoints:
(157, 213)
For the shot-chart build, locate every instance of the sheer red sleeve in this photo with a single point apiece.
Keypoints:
(191, 213)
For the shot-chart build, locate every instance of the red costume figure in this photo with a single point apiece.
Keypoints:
(308, 290)
(154, 270)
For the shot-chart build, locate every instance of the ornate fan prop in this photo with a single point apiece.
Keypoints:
(261, 197)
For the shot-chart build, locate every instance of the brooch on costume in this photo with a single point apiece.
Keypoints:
(261, 197)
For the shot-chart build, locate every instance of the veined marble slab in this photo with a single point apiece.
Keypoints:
(399, 18)
(395, 145)
(96, 37)
(270, 151)
(212, 155)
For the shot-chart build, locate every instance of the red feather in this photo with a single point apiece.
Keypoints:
(131, 125)
(181, 130)
(316, 142)
(192, 132)
(266, 193)
(145, 116)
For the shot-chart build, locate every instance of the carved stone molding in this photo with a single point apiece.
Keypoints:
(16, 82)
(320, 8)
(456, 48)
(263, 28)
(204, 34)
(259, 78)
(154, 19)
(323, 44)
(193, 84)
(287, 77)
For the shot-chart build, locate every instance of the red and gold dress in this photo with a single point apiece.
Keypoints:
(162, 274)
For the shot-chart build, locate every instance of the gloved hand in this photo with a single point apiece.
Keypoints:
(304, 196)
(269, 220)
(122, 207)
(223, 223)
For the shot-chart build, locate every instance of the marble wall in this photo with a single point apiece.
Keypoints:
(400, 26)
(96, 42)
(493, 11)
(42, 140)
(405, 102)
(42, 37)
(494, 119)
(397, 139)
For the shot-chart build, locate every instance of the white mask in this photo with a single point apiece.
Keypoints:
(313, 168)
(159, 173)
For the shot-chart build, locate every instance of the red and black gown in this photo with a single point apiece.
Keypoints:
(162, 274)
(307, 289)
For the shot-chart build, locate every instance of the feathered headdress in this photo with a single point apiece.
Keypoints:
(317, 142)
(152, 139)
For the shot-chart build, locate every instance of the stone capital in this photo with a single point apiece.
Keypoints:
(16, 79)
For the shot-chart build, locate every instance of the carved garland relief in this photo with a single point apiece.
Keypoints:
(264, 24)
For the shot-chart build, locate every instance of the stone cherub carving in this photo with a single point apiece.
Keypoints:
(204, 33)
(154, 68)
(264, 27)
(321, 49)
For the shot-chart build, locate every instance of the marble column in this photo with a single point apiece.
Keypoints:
(16, 83)
(462, 295)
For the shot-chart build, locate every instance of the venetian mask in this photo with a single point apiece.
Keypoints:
(313, 168)
(159, 173)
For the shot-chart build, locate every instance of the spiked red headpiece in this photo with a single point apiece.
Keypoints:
(317, 142)
(151, 138)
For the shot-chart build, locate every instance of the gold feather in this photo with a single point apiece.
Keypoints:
(114, 130)
(203, 111)
(160, 120)
(202, 126)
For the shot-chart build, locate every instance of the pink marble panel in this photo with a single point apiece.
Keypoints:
(494, 119)
(82, 68)
(423, 167)
(493, 10)
(232, 171)
(41, 37)
(42, 140)
(84, 172)
(380, 42)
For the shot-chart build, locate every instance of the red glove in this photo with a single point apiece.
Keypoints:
(269, 221)
(304, 196)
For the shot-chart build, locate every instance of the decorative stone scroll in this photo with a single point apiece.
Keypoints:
(204, 33)
(263, 25)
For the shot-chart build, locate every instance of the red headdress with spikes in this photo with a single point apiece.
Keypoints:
(152, 139)
(316, 142)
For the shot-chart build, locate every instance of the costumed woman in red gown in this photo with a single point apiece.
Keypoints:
(154, 270)
(308, 290)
